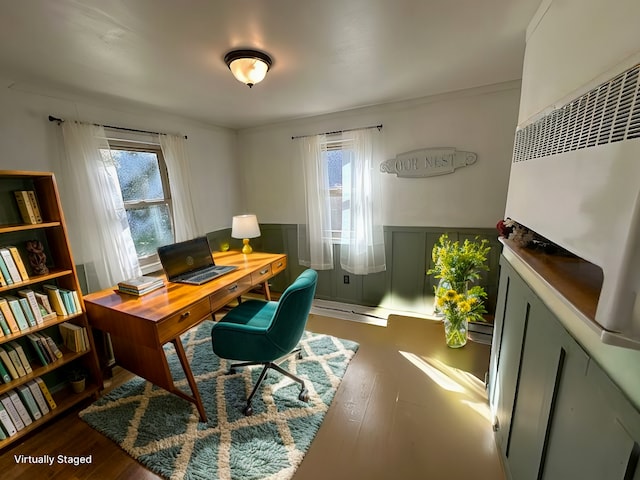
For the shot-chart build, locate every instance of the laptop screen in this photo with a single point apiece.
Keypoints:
(183, 257)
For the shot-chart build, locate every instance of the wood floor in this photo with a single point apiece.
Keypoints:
(408, 408)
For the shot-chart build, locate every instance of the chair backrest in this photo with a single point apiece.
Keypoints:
(290, 318)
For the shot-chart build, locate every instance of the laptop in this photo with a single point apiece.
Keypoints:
(191, 262)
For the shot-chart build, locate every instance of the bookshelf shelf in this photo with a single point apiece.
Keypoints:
(52, 275)
(64, 399)
(52, 233)
(21, 227)
(68, 356)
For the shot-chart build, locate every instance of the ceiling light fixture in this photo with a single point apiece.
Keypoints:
(248, 66)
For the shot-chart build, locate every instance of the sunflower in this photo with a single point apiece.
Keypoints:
(450, 295)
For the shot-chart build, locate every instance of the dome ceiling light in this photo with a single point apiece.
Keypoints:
(248, 66)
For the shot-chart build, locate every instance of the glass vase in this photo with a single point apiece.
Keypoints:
(455, 331)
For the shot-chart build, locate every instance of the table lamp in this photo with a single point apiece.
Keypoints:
(245, 227)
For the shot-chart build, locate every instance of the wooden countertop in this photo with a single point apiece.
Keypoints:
(577, 280)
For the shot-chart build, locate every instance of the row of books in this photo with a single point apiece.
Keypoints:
(12, 269)
(14, 362)
(74, 337)
(31, 308)
(23, 405)
(28, 206)
(140, 285)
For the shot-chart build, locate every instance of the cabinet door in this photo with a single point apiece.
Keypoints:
(543, 356)
(513, 326)
(594, 431)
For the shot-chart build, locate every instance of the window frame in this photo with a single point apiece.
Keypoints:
(149, 263)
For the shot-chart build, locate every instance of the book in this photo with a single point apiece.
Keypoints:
(5, 272)
(16, 419)
(4, 325)
(33, 200)
(15, 359)
(17, 259)
(33, 304)
(76, 301)
(11, 410)
(3, 282)
(67, 299)
(43, 299)
(44, 347)
(22, 410)
(8, 315)
(28, 313)
(52, 346)
(139, 293)
(72, 336)
(24, 205)
(18, 313)
(21, 355)
(45, 392)
(39, 349)
(6, 422)
(11, 265)
(141, 283)
(37, 395)
(29, 402)
(4, 373)
(55, 299)
(8, 364)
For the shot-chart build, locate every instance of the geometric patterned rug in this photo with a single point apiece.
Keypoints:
(162, 431)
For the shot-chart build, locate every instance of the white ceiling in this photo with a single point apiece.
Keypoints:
(329, 55)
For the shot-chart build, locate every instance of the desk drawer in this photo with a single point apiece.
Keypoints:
(183, 320)
(261, 276)
(279, 265)
(220, 298)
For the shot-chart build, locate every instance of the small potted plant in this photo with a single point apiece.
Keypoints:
(77, 378)
(457, 265)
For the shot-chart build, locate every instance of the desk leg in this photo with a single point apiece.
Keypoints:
(192, 381)
(267, 292)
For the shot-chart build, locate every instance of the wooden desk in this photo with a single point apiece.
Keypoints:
(140, 326)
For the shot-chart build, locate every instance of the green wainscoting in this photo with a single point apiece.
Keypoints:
(405, 284)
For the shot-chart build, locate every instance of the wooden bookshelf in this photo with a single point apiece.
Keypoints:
(52, 232)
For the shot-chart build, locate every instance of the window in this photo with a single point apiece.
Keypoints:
(145, 190)
(337, 157)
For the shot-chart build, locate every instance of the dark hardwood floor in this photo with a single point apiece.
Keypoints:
(408, 408)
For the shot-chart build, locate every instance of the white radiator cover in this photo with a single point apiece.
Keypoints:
(575, 179)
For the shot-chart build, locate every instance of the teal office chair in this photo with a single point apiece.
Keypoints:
(258, 332)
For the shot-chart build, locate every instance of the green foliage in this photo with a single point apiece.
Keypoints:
(459, 264)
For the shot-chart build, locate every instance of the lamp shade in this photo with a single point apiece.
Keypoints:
(245, 226)
(248, 66)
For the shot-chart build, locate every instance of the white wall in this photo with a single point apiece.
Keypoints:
(572, 47)
(480, 120)
(29, 141)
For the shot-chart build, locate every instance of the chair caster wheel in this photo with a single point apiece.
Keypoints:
(231, 371)
(248, 411)
(299, 356)
(304, 395)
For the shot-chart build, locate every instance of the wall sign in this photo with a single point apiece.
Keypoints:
(428, 162)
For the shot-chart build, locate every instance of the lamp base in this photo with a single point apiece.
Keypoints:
(246, 249)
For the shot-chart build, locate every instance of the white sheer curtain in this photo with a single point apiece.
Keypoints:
(174, 151)
(315, 247)
(95, 208)
(362, 245)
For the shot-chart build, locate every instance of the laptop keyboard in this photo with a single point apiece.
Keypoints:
(207, 274)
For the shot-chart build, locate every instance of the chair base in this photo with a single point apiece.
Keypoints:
(304, 393)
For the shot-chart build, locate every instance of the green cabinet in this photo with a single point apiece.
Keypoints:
(557, 414)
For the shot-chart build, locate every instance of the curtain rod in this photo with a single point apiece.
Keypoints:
(379, 127)
(60, 120)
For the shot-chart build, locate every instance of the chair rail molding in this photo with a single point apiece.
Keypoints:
(428, 162)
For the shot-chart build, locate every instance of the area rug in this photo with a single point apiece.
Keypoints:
(162, 431)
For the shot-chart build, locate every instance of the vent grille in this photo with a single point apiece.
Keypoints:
(608, 113)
